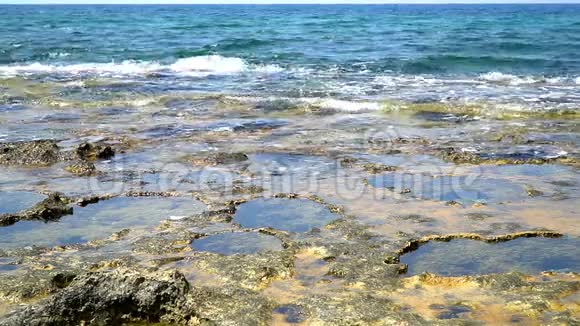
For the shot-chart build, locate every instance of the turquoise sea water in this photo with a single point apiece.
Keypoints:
(518, 55)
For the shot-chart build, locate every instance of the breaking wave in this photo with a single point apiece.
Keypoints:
(192, 66)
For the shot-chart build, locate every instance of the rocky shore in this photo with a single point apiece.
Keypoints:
(290, 216)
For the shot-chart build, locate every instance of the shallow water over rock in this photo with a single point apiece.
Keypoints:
(528, 170)
(446, 117)
(513, 153)
(245, 243)
(98, 221)
(290, 165)
(524, 153)
(7, 265)
(243, 125)
(404, 161)
(293, 215)
(450, 312)
(463, 189)
(471, 257)
(292, 314)
(15, 201)
(231, 125)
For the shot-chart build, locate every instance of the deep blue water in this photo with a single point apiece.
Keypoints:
(522, 54)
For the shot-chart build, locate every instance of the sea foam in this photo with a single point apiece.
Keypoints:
(343, 105)
(498, 77)
(197, 66)
(330, 104)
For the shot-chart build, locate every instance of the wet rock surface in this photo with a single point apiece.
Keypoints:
(41, 152)
(244, 285)
(88, 151)
(82, 168)
(47, 152)
(435, 116)
(522, 156)
(220, 158)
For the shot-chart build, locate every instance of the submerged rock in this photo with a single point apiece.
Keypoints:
(472, 257)
(370, 167)
(82, 168)
(237, 243)
(293, 167)
(243, 125)
(248, 190)
(523, 156)
(95, 221)
(294, 314)
(454, 190)
(376, 168)
(434, 116)
(523, 298)
(220, 158)
(293, 215)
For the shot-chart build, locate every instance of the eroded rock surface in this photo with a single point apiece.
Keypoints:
(111, 298)
(38, 152)
(294, 232)
(47, 152)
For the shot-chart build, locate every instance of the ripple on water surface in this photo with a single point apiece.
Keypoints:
(292, 165)
(6, 265)
(98, 221)
(531, 170)
(15, 201)
(237, 243)
(293, 215)
(451, 188)
(471, 257)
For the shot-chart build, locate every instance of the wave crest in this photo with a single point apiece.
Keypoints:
(196, 66)
(215, 64)
(501, 78)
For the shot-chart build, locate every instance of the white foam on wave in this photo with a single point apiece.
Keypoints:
(197, 66)
(215, 64)
(498, 77)
(490, 78)
(212, 63)
(317, 102)
(122, 68)
(343, 105)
